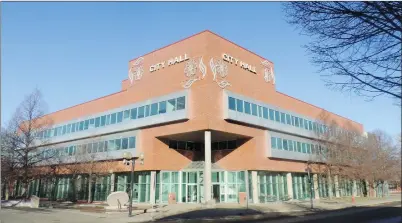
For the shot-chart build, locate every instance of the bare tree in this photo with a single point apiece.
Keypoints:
(382, 159)
(358, 43)
(22, 142)
(86, 162)
(335, 150)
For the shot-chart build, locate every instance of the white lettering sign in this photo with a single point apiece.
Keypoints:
(170, 62)
(230, 59)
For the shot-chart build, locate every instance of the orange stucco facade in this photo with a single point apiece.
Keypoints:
(205, 106)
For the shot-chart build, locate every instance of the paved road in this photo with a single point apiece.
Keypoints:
(386, 213)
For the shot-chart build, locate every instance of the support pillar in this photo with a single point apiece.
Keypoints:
(112, 180)
(336, 182)
(207, 167)
(289, 184)
(316, 190)
(254, 187)
(153, 188)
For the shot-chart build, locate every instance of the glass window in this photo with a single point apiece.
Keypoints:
(304, 147)
(171, 105)
(107, 119)
(97, 122)
(147, 110)
(288, 119)
(172, 144)
(95, 147)
(154, 109)
(91, 121)
(247, 107)
(134, 113)
(232, 144)
(314, 126)
(101, 146)
(106, 146)
(254, 109)
(239, 105)
(162, 107)
(301, 122)
(277, 117)
(141, 112)
(68, 128)
(131, 142)
(259, 111)
(308, 148)
(118, 144)
(305, 124)
(181, 103)
(285, 144)
(86, 124)
(265, 112)
(103, 121)
(111, 145)
(290, 145)
(310, 125)
(223, 145)
(89, 148)
(181, 145)
(232, 103)
(283, 118)
(296, 121)
(64, 129)
(126, 114)
(299, 149)
(81, 125)
(72, 128)
(279, 143)
(271, 114)
(113, 118)
(312, 149)
(119, 117)
(124, 143)
(273, 142)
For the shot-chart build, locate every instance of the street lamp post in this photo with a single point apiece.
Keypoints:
(308, 170)
(127, 160)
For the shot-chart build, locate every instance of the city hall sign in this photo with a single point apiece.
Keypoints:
(230, 59)
(170, 62)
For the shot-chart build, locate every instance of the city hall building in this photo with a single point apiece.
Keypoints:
(205, 115)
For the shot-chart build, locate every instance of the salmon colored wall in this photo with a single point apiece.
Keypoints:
(205, 106)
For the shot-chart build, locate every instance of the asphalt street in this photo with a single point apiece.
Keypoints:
(386, 213)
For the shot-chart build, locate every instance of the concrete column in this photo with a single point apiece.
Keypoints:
(316, 191)
(336, 186)
(112, 180)
(207, 167)
(254, 187)
(354, 188)
(152, 193)
(289, 184)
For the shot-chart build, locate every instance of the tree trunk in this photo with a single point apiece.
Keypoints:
(330, 195)
(89, 189)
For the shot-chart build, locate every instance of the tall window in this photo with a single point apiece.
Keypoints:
(232, 103)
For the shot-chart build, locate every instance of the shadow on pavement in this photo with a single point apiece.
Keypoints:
(354, 214)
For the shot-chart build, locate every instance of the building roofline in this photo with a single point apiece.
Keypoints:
(82, 103)
(209, 31)
(321, 108)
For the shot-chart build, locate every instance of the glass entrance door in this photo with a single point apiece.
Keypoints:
(192, 194)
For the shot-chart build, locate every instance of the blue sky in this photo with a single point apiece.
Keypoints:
(78, 51)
